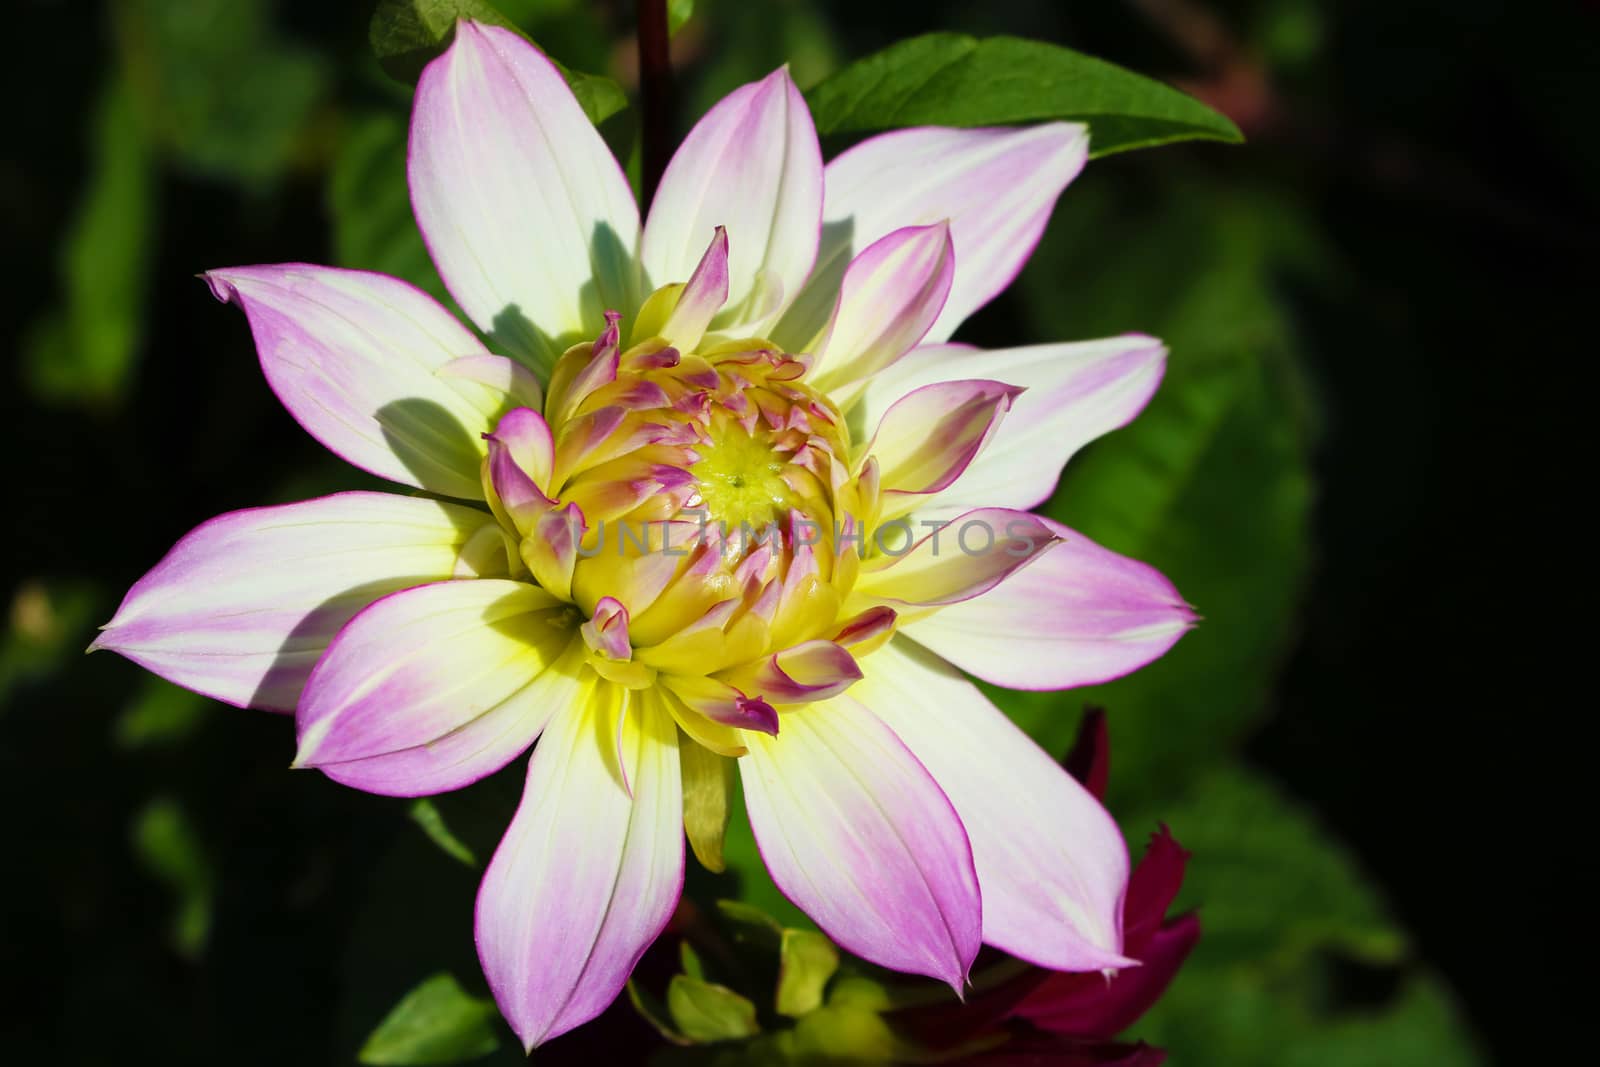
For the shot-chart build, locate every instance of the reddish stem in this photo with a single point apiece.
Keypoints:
(655, 90)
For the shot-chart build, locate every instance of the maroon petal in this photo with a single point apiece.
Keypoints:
(1089, 1006)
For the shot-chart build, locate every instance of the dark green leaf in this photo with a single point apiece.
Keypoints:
(950, 79)
(1271, 885)
(1279, 902)
(437, 1022)
(408, 34)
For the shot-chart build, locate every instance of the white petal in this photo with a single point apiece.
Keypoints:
(995, 186)
(1052, 865)
(752, 165)
(525, 211)
(857, 834)
(587, 875)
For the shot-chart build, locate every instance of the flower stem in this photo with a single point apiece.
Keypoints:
(655, 88)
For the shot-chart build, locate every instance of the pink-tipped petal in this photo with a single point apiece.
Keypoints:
(521, 452)
(243, 606)
(870, 628)
(551, 550)
(607, 631)
(891, 294)
(855, 832)
(721, 702)
(587, 875)
(926, 440)
(702, 297)
(1050, 860)
(527, 438)
(430, 689)
(955, 561)
(355, 358)
(1073, 394)
(811, 670)
(752, 164)
(995, 186)
(1080, 615)
(526, 214)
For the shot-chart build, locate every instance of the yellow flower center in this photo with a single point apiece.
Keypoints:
(740, 478)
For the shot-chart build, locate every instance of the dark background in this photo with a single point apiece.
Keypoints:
(170, 891)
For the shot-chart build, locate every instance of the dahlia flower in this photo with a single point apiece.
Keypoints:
(686, 506)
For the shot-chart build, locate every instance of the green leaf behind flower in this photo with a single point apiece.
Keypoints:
(951, 79)
(705, 1011)
(1286, 912)
(437, 1022)
(408, 34)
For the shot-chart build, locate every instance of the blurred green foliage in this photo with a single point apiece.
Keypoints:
(165, 841)
(82, 351)
(277, 110)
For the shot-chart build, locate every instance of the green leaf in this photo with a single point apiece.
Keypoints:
(426, 815)
(437, 1022)
(689, 960)
(168, 848)
(408, 34)
(83, 351)
(1271, 886)
(1279, 903)
(950, 79)
(1210, 484)
(704, 1011)
(807, 960)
